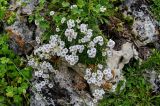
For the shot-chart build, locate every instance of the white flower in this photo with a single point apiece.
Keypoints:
(100, 43)
(91, 44)
(93, 80)
(70, 34)
(36, 22)
(95, 40)
(36, 73)
(86, 77)
(92, 52)
(43, 83)
(73, 6)
(38, 97)
(50, 85)
(102, 9)
(111, 44)
(88, 71)
(89, 81)
(99, 72)
(108, 76)
(70, 23)
(98, 94)
(52, 13)
(63, 20)
(57, 29)
(94, 74)
(38, 39)
(114, 88)
(106, 71)
(72, 59)
(100, 66)
(104, 53)
(109, 53)
(95, 100)
(83, 28)
(31, 63)
(89, 33)
(99, 78)
(99, 40)
(78, 21)
(45, 76)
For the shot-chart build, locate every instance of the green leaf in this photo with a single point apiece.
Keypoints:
(10, 89)
(27, 72)
(44, 24)
(10, 94)
(17, 99)
(80, 3)
(19, 80)
(4, 60)
(21, 90)
(1, 99)
(2, 12)
(65, 4)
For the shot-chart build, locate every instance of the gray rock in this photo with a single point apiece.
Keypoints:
(144, 26)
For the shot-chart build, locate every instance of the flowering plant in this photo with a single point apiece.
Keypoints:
(74, 41)
(75, 37)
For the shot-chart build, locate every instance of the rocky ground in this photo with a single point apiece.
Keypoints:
(67, 86)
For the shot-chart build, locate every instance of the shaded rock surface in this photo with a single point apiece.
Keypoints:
(145, 27)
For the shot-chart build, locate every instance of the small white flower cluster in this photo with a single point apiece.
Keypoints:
(111, 45)
(42, 70)
(91, 52)
(38, 40)
(76, 48)
(32, 62)
(70, 34)
(87, 37)
(99, 40)
(83, 28)
(98, 94)
(108, 51)
(107, 74)
(63, 20)
(56, 46)
(88, 34)
(72, 59)
(98, 77)
(102, 9)
(70, 23)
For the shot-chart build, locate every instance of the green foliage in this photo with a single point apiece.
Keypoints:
(86, 11)
(152, 62)
(13, 84)
(156, 8)
(137, 91)
(5, 14)
(3, 7)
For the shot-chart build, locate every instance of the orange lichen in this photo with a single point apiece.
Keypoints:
(107, 86)
(80, 83)
(16, 36)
